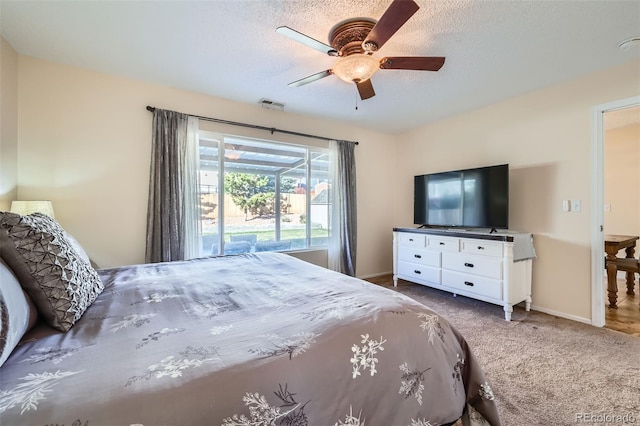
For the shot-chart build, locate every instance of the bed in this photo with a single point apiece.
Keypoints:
(252, 339)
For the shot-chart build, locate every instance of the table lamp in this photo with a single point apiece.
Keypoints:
(27, 207)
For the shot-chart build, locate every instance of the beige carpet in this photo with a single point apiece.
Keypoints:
(545, 370)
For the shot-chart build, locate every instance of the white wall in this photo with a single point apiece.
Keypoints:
(622, 181)
(8, 124)
(85, 144)
(546, 138)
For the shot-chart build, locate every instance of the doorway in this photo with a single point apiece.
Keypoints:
(598, 306)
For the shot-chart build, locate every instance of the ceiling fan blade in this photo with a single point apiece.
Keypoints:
(393, 18)
(420, 63)
(311, 78)
(365, 88)
(306, 40)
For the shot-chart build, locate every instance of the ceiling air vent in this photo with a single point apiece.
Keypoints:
(269, 104)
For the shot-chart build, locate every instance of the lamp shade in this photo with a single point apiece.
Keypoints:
(357, 67)
(28, 207)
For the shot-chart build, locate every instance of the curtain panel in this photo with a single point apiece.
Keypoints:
(172, 212)
(342, 242)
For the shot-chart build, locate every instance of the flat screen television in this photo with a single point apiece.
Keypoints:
(471, 198)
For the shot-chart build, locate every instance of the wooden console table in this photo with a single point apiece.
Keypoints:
(613, 244)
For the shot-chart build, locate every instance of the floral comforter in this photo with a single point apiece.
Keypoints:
(256, 339)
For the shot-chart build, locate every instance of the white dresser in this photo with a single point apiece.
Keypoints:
(477, 265)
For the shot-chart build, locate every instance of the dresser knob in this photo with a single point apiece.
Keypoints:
(469, 265)
(469, 283)
(417, 272)
(417, 256)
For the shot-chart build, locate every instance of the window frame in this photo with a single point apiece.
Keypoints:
(222, 139)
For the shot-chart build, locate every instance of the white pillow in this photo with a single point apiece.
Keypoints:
(76, 245)
(15, 312)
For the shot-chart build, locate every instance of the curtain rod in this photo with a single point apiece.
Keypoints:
(254, 126)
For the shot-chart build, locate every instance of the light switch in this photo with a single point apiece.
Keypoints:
(566, 205)
(576, 205)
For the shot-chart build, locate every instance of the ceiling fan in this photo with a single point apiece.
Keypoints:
(354, 42)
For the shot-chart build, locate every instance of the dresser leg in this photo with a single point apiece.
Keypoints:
(527, 304)
(507, 312)
(395, 280)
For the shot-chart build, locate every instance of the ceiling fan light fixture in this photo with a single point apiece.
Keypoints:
(356, 67)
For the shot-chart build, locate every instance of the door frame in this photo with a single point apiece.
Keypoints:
(597, 204)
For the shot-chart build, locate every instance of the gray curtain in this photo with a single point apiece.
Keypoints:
(166, 214)
(342, 243)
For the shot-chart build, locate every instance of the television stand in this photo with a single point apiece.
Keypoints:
(478, 265)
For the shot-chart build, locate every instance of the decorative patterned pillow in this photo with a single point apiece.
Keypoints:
(60, 282)
(15, 312)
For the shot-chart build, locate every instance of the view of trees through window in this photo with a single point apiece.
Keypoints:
(259, 195)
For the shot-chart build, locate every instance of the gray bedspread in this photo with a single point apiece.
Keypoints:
(256, 339)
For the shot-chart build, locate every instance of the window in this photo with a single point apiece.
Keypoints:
(262, 195)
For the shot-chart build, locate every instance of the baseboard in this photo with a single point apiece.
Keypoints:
(364, 277)
(561, 314)
(533, 307)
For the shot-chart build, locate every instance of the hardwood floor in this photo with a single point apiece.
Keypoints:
(627, 317)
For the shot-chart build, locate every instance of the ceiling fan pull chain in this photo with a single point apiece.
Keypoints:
(356, 102)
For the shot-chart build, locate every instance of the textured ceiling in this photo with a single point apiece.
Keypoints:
(494, 49)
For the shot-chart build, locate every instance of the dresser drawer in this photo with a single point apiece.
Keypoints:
(473, 284)
(443, 243)
(414, 271)
(481, 247)
(472, 264)
(422, 257)
(412, 240)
